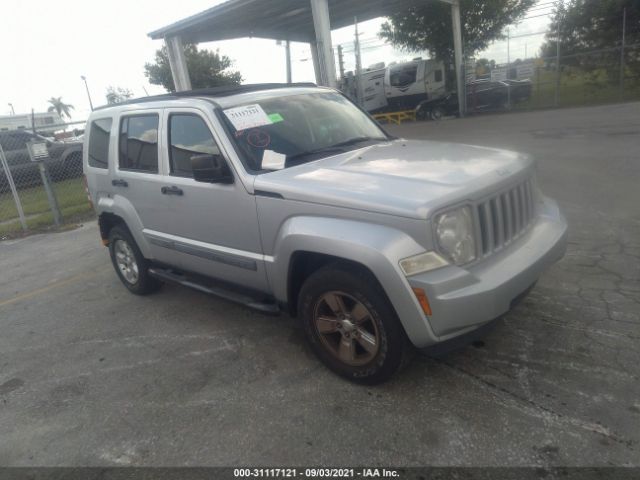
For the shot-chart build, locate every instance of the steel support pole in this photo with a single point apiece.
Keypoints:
(322, 26)
(457, 49)
(178, 64)
(359, 90)
(316, 62)
(287, 49)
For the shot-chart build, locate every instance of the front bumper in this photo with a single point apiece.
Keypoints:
(463, 299)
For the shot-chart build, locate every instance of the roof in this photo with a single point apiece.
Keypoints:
(215, 92)
(276, 19)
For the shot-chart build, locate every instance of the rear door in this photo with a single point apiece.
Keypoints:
(213, 227)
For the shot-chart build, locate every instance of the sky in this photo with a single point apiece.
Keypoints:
(45, 47)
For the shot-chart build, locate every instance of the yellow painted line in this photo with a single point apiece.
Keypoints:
(51, 286)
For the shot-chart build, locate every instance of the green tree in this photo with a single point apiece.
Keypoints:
(590, 31)
(484, 66)
(117, 95)
(428, 26)
(206, 69)
(57, 105)
(584, 25)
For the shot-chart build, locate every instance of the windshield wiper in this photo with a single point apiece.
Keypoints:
(338, 148)
(353, 141)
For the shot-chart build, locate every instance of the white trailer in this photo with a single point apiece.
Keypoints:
(44, 122)
(408, 84)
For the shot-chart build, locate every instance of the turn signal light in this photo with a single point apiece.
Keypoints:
(423, 300)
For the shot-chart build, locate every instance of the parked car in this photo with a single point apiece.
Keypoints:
(289, 198)
(482, 96)
(64, 161)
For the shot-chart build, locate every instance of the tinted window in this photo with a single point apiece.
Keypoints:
(403, 76)
(188, 136)
(139, 143)
(99, 143)
(438, 76)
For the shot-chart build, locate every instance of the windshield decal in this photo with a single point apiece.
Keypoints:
(248, 116)
(258, 138)
(275, 118)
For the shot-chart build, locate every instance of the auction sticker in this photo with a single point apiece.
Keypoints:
(248, 116)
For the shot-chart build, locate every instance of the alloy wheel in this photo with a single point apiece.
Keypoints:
(346, 328)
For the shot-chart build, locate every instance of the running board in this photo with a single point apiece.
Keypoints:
(216, 291)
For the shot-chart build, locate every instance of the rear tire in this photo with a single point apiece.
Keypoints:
(437, 113)
(351, 325)
(130, 265)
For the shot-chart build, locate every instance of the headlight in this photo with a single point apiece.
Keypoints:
(454, 234)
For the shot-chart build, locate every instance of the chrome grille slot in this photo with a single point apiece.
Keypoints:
(504, 217)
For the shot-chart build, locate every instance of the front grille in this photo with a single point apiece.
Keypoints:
(505, 216)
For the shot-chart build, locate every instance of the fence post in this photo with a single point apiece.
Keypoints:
(14, 191)
(622, 65)
(557, 96)
(508, 68)
(39, 157)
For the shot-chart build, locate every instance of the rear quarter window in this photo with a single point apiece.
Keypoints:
(99, 135)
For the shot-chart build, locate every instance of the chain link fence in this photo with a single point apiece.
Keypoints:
(514, 73)
(41, 182)
(587, 78)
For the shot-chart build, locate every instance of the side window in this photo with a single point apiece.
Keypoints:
(403, 75)
(15, 141)
(188, 136)
(99, 142)
(438, 76)
(139, 143)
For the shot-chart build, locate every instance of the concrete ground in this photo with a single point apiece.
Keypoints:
(92, 375)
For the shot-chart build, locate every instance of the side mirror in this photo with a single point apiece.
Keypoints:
(210, 169)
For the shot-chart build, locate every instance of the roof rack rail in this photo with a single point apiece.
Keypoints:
(222, 91)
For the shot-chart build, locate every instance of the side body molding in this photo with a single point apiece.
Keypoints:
(377, 247)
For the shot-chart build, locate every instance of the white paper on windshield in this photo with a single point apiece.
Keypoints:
(249, 116)
(273, 160)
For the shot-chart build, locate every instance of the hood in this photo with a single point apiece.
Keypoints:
(403, 177)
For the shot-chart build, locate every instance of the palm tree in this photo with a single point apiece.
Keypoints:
(63, 109)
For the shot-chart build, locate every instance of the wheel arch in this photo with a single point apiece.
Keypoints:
(118, 210)
(305, 244)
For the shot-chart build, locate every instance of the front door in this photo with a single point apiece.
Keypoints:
(213, 228)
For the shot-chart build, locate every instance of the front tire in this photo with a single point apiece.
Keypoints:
(130, 265)
(351, 325)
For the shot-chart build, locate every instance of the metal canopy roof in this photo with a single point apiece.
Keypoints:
(276, 19)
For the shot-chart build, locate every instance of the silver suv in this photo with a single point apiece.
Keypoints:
(291, 198)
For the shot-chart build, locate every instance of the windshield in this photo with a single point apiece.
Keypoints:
(285, 131)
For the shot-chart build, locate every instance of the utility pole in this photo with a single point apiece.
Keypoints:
(84, 79)
(341, 61)
(13, 111)
(557, 95)
(359, 92)
(624, 33)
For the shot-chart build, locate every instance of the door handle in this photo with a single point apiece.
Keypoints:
(173, 190)
(119, 183)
